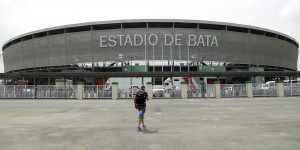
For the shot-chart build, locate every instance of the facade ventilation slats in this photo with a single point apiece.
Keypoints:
(281, 37)
(6, 46)
(55, 32)
(185, 25)
(160, 24)
(212, 26)
(41, 34)
(258, 32)
(237, 29)
(151, 25)
(107, 26)
(269, 34)
(28, 37)
(135, 25)
(289, 40)
(78, 29)
(16, 41)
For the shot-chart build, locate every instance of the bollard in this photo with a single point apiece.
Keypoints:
(80, 90)
(280, 89)
(114, 90)
(184, 90)
(249, 87)
(149, 90)
(217, 89)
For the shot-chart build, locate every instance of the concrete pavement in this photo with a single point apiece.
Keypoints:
(206, 124)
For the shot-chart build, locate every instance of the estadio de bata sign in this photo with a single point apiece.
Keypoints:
(153, 40)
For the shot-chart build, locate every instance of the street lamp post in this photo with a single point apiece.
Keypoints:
(131, 77)
(202, 58)
(3, 61)
(131, 64)
(203, 87)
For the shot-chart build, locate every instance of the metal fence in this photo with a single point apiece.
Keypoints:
(125, 93)
(264, 90)
(128, 91)
(17, 91)
(96, 92)
(291, 89)
(165, 92)
(233, 90)
(201, 91)
(56, 92)
(159, 91)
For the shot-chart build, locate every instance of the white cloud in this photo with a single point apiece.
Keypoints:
(21, 16)
(290, 11)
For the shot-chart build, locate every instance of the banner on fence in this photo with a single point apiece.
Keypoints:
(211, 69)
(135, 68)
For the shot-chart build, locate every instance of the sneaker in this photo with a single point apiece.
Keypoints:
(139, 129)
(144, 127)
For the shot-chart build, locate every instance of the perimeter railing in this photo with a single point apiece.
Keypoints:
(96, 92)
(233, 90)
(56, 92)
(291, 89)
(124, 92)
(264, 90)
(17, 91)
(201, 91)
(165, 92)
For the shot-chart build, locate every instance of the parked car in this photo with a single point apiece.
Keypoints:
(158, 91)
(133, 89)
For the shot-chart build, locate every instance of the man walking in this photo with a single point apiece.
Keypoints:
(140, 104)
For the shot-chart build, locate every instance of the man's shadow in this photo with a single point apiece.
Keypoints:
(148, 131)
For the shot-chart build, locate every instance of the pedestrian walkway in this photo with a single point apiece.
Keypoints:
(206, 124)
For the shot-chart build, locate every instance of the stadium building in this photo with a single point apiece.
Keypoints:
(151, 45)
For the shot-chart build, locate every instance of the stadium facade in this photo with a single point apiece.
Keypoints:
(155, 45)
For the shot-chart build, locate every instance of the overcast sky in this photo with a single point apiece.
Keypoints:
(22, 16)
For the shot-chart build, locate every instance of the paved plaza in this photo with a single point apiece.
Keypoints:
(200, 124)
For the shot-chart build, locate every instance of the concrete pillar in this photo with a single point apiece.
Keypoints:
(184, 89)
(114, 90)
(249, 89)
(280, 89)
(80, 91)
(149, 90)
(217, 90)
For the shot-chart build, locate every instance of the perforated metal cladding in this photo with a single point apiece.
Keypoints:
(81, 47)
(56, 52)
(41, 51)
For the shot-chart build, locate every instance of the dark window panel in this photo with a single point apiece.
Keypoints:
(78, 29)
(185, 25)
(107, 26)
(237, 29)
(160, 24)
(135, 25)
(211, 26)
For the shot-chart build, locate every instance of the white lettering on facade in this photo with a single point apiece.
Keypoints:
(152, 39)
(128, 41)
(135, 39)
(169, 36)
(200, 40)
(112, 39)
(192, 38)
(102, 41)
(155, 39)
(120, 38)
(214, 42)
(178, 39)
(207, 39)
